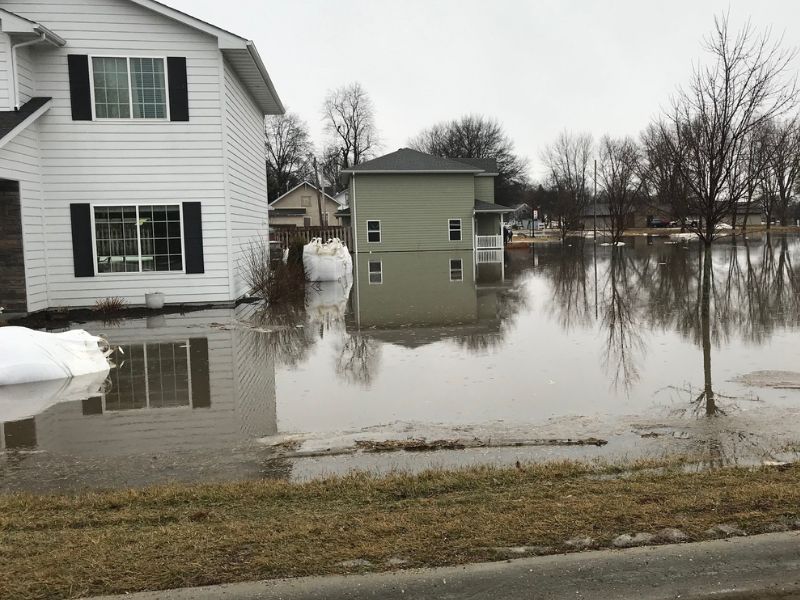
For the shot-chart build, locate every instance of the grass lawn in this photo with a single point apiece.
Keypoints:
(164, 537)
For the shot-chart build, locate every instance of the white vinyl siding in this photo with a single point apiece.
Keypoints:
(19, 161)
(134, 162)
(247, 179)
(5, 69)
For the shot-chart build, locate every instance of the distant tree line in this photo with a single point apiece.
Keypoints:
(352, 138)
(727, 147)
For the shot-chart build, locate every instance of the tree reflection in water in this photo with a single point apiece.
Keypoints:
(741, 287)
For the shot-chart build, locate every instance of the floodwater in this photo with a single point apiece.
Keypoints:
(644, 346)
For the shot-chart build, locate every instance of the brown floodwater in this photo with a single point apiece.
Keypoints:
(656, 347)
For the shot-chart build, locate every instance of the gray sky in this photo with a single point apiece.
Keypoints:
(539, 66)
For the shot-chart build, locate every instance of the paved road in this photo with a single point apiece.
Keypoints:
(759, 567)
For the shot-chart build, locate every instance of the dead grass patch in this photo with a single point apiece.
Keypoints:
(165, 537)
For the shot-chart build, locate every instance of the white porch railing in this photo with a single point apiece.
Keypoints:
(489, 256)
(488, 241)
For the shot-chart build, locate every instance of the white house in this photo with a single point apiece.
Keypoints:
(131, 153)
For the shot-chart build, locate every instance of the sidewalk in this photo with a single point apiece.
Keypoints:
(746, 568)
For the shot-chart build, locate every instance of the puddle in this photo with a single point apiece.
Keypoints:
(445, 359)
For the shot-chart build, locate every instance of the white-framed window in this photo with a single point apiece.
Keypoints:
(155, 375)
(375, 270)
(125, 87)
(456, 269)
(374, 232)
(454, 229)
(138, 238)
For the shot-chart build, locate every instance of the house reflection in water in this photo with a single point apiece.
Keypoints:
(179, 386)
(417, 298)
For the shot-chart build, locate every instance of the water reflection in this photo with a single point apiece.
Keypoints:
(626, 343)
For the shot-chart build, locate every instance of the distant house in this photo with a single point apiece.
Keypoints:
(411, 201)
(300, 207)
(131, 154)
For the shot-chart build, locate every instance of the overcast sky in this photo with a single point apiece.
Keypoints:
(539, 66)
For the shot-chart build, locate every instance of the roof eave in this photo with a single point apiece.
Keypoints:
(409, 172)
(26, 123)
(230, 42)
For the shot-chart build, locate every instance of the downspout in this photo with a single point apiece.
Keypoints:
(14, 83)
(354, 227)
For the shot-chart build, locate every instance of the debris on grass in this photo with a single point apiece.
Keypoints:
(229, 532)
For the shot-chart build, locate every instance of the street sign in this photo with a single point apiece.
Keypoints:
(535, 214)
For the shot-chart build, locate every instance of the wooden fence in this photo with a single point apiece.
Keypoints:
(284, 235)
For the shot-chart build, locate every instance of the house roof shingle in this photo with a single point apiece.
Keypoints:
(411, 161)
(11, 119)
(488, 207)
(485, 164)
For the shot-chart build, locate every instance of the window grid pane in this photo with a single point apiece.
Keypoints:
(454, 226)
(120, 233)
(149, 89)
(111, 93)
(116, 238)
(374, 231)
(456, 269)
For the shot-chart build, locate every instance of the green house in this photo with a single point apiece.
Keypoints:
(409, 201)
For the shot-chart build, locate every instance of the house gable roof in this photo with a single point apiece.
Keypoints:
(14, 24)
(240, 52)
(488, 165)
(406, 160)
(306, 183)
(13, 122)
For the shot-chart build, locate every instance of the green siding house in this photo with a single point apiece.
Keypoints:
(410, 201)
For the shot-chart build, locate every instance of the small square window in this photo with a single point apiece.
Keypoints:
(454, 227)
(374, 232)
(456, 269)
(305, 201)
(375, 268)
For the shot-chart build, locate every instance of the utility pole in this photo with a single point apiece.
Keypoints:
(319, 190)
(595, 201)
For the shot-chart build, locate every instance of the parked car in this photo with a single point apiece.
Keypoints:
(661, 223)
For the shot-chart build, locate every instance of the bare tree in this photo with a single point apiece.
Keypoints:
(288, 146)
(349, 117)
(567, 162)
(476, 136)
(745, 84)
(661, 174)
(783, 165)
(755, 158)
(619, 170)
(331, 167)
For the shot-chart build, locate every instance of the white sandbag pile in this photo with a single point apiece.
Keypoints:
(330, 261)
(27, 355)
(327, 302)
(26, 400)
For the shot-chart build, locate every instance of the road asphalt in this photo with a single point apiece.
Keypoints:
(744, 568)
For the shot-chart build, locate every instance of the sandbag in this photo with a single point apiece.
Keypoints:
(26, 400)
(327, 302)
(330, 261)
(27, 355)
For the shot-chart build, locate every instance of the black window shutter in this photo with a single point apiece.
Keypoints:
(193, 238)
(79, 93)
(82, 252)
(201, 384)
(178, 89)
